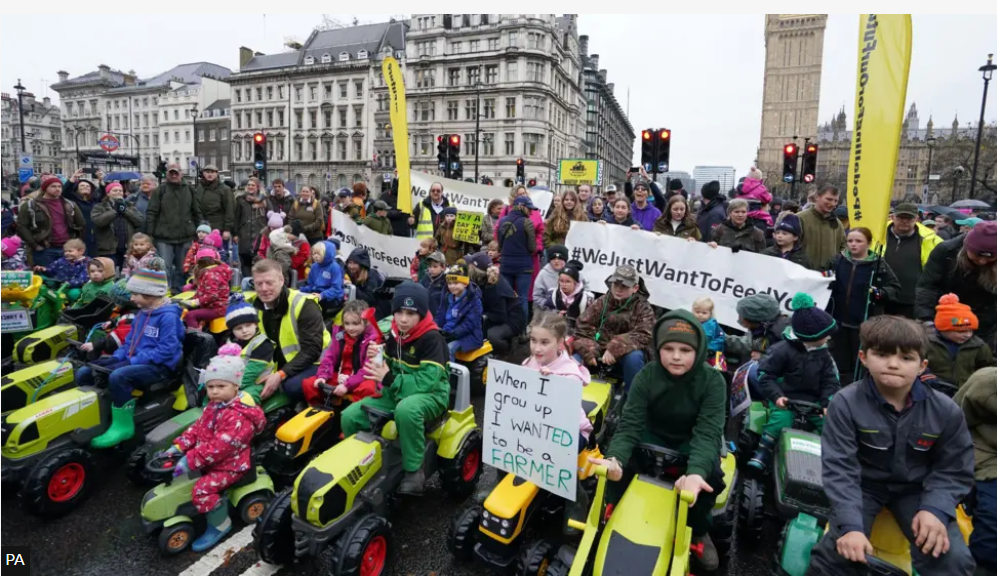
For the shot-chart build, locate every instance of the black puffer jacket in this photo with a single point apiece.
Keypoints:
(747, 237)
(943, 275)
(790, 370)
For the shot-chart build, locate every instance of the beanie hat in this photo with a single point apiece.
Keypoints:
(228, 366)
(214, 239)
(982, 239)
(758, 308)
(336, 242)
(809, 322)
(711, 190)
(449, 211)
(204, 228)
(157, 264)
(573, 270)
(11, 245)
(240, 312)
(275, 220)
(790, 223)
(207, 252)
(951, 315)
(120, 295)
(457, 274)
(48, 180)
(297, 228)
(557, 251)
(411, 296)
(641, 184)
(148, 283)
(112, 186)
(479, 260)
(676, 330)
(675, 184)
(755, 174)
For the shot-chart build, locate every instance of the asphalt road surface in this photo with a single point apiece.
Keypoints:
(104, 537)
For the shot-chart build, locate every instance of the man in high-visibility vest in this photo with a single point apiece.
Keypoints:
(293, 320)
(428, 214)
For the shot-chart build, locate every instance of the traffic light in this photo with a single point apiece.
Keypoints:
(663, 150)
(789, 163)
(260, 155)
(532, 183)
(160, 170)
(809, 167)
(520, 171)
(442, 145)
(456, 168)
(647, 149)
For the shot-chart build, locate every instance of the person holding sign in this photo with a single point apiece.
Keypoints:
(452, 248)
(678, 402)
(414, 378)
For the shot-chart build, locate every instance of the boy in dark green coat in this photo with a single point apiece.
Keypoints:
(378, 221)
(678, 402)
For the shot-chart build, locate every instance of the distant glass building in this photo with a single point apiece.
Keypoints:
(723, 174)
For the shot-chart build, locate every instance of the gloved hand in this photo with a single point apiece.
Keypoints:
(171, 451)
(119, 206)
(181, 468)
(875, 294)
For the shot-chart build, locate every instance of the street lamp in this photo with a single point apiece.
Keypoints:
(957, 173)
(193, 115)
(930, 141)
(20, 111)
(988, 73)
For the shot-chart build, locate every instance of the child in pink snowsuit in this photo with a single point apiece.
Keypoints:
(753, 190)
(218, 443)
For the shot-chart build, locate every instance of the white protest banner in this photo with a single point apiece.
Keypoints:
(677, 272)
(531, 426)
(471, 197)
(392, 255)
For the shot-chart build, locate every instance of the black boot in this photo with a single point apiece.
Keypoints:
(414, 484)
(763, 456)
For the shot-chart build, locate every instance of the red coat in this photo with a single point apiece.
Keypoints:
(302, 260)
(213, 288)
(220, 439)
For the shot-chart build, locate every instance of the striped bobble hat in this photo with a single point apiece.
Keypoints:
(240, 312)
(149, 283)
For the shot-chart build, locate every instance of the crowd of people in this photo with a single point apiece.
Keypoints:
(921, 313)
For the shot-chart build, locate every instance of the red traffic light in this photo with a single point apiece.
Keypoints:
(519, 162)
(645, 134)
(259, 138)
(811, 148)
(790, 148)
(455, 140)
(666, 134)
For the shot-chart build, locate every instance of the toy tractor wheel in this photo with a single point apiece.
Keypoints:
(363, 550)
(535, 559)
(176, 538)
(273, 536)
(558, 568)
(135, 469)
(252, 506)
(723, 524)
(460, 475)
(463, 533)
(752, 509)
(479, 375)
(59, 483)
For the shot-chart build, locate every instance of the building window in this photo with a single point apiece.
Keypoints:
(341, 149)
(510, 143)
(453, 110)
(423, 145)
(298, 151)
(297, 93)
(280, 118)
(489, 112)
(510, 107)
(512, 72)
(491, 74)
(269, 118)
(425, 78)
(176, 136)
(470, 109)
(327, 115)
(342, 118)
(493, 43)
(456, 47)
(358, 87)
(342, 90)
(176, 114)
(223, 134)
(454, 74)
(186, 135)
(259, 93)
(313, 151)
(280, 92)
(488, 144)
(535, 71)
(358, 116)
(475, 45)
(259, 118)
(328, 91)
(313, 119)
(166, 137)
(425, 111)
(469, 144)
(200, 135)
(532, 144)
(298, 120)
(312, 93)
(358, 150)
(269, 95)
(514, 38)
(534, 107)
(473, 75)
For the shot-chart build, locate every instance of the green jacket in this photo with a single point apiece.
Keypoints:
(91, 291)
(973, 355)
(34, 225)
(104, 216)
(217, 203)
(312, 218)
(978, 399)
(823, 237)
(418, 363)
(174, 213)
(685, 413)
(378, 224)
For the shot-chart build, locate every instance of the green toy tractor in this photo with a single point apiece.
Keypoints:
(795, 476)
(343, 497)
(46, 445)
(168, 510)
(26, 311)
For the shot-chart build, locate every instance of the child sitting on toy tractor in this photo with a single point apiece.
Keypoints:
(759, 314)
(617, 327)
(678, 402)
(889, 441)
(343, 361)
(256, 349)
(149, 355)
(414, 378)
(797, 368)
(218, 445)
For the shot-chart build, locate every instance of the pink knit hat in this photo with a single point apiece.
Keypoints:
(114, 185)
(11, 245)
(214, 239)
(982, 239)
(276, 220)
(207, 252)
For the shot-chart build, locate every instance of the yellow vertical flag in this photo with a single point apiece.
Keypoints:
(399, 130)
(880, 94)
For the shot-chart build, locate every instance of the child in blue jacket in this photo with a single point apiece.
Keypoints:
(702, 309)
(435, 281)
(325, 278)
(150, 354)
(461, 312)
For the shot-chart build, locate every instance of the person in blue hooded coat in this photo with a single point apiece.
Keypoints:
(460, 312)
(325, 277)
(366, 280)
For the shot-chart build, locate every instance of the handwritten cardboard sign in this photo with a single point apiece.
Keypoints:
(467, 228)
(531, 426)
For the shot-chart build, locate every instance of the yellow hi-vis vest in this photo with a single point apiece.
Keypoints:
(288, 336)
(424, 228)
(251, 347)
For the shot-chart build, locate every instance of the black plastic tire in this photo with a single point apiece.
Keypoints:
(751, 510)
(463, 532)
(252, 506)
(558, 568)
(135, 469)
(175, 539)
(355, 547)
(460, 476)
(747, 443)
(273, 536)
(535, 559)
(36, 488)
(723, 525)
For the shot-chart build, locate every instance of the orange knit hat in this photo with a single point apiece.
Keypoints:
(950, 315)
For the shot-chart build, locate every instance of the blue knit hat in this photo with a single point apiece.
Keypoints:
(809, 322)
(240, 312)
(790, 223)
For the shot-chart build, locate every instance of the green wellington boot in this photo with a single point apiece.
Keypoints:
(122, 427)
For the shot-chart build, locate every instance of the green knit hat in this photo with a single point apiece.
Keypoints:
(676, 330)
(809, 322)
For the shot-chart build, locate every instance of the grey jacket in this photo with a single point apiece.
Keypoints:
(926, 449)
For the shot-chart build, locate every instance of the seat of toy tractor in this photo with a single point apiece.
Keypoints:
(96, 312)
(381, 418)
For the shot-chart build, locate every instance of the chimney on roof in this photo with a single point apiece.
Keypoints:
(594, 61)
(602, 75)
(583, 45)
(63, 75)
(105, 72)
(47, 101)
(610, 87)
(245, 55)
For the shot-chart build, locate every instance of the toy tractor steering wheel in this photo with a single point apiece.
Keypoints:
(661, 461)
(878, 567)
(803, 409)
(164, 464)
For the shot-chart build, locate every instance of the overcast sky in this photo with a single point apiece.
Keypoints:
(701, 76)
